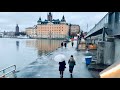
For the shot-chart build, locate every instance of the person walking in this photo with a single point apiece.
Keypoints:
(61, 44)
(72, 43)
(62, 66)
(71, 63)
(65, 44)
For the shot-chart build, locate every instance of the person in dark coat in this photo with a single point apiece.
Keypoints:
(65, 44)
(72, 43)
(71, 63)
(61, 44)
(62, 66)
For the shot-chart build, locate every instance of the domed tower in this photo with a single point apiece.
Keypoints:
(39, 21)
(49, 17)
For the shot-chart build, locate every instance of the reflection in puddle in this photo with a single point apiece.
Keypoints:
(17, 45)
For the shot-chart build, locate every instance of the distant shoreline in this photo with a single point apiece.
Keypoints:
(37, 38)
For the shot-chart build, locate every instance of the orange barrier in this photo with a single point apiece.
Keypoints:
(92, 46)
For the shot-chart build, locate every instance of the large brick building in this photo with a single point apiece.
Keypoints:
(50, 28)
(31, 31)
(74, 29)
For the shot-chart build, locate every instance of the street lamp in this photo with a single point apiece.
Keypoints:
(78, 35)
(50, 34)
(41, 35)
(36, 35)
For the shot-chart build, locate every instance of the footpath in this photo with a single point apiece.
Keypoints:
(46, 67)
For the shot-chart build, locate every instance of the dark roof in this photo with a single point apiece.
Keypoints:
(46, 20)
(55, 21)
(39, 20)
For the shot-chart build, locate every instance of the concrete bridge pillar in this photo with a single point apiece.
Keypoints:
(105, 52)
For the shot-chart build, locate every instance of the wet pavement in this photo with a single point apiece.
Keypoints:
(46, 67)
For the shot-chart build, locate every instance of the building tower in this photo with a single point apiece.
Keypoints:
(39, 21)
(17, 29)
(49, 17)
(63, 19)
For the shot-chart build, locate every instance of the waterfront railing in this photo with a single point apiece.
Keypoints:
(8, 72)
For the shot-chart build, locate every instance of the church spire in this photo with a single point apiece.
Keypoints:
(63, 19)
(40, 18)
(17, 28)
(50, 13)
(39, 21)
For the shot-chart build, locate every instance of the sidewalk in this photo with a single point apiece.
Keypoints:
(95, 73)
(94, 68)
(46, 67)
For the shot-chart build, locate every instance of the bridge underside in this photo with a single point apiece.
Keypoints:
(96, 33)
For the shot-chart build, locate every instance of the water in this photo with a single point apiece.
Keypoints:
(22, 52)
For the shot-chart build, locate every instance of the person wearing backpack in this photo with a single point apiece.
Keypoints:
(71, 63)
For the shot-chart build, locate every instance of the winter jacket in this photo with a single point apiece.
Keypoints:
(71, 62)
(62, 66)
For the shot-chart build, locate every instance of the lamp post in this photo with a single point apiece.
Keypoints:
(78, 41)
(59, 34)
(50, 34)
(41, 35)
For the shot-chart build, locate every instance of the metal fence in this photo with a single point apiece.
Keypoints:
(8, 72)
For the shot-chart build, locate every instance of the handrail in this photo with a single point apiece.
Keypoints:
(12, 71)
(8, 67)
(3, 70)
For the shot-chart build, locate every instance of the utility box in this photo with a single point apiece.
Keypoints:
(105, 53)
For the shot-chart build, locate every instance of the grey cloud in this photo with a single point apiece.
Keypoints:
(8, 20)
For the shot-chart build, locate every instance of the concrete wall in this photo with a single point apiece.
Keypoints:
(117, 50)
(109, 53)
(100, 52)
(105, 53)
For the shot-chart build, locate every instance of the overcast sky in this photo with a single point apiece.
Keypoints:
(8, 20)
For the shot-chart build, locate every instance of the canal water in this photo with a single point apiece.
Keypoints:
(22, 52)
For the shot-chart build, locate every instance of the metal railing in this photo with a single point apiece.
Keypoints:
(4, 73)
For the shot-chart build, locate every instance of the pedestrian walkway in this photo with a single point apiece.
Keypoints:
(46, 67)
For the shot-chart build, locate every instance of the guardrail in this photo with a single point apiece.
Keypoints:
(4, 73)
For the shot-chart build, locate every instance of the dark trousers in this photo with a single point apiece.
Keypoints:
(71, 69)
(72, 45)
(61, 73)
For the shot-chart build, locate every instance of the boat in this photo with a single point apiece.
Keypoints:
(22, 37)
